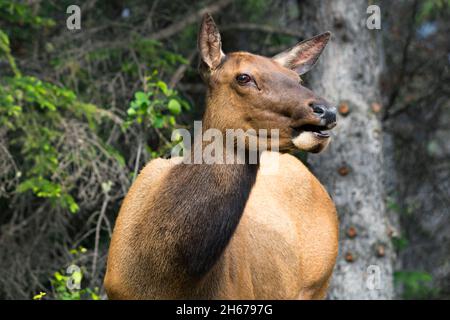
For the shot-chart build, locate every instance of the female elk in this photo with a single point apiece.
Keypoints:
(226, 231)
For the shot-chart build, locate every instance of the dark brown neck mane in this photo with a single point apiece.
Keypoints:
(201, 205)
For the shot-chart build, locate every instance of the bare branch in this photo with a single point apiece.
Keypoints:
(263, 28)
(191, 18)
(97, 233)
(179, 73)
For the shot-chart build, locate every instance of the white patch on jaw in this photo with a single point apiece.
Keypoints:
(307, 141)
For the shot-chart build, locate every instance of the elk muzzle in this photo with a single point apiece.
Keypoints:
(314, 136)
(327, 115)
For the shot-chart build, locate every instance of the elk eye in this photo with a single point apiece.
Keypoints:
(243, 78)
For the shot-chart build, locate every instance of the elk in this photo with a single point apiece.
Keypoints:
(226, 231)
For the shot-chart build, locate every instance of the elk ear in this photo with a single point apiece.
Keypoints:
(209, 44)
(303, 55)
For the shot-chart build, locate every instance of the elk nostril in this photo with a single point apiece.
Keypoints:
(319, 110)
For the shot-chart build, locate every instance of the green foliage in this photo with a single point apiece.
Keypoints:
(400, 243)
(60, 282)
(412, 284)
(22, 19)
(34, 113)
(157, 106)
(154, 51)
(394, 206)
(65, 154)
(62, 292)
(39, 296)
(30, 109)
(429, 8)
(254, 8)
(22, 14)
(416, 285)
(6, 52)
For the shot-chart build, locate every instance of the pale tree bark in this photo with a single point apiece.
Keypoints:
(352, 168)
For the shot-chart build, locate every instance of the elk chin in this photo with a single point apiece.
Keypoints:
(311, 142)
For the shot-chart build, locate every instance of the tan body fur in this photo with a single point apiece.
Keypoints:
(284, 247)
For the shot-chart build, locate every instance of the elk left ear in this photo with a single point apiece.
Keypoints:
(303, 55)
(209, 43)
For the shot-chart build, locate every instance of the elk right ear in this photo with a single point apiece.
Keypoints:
(209, 44)
(302, 57)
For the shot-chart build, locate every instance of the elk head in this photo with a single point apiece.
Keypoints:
(248, 91)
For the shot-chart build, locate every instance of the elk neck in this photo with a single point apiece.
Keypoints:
(202, 206)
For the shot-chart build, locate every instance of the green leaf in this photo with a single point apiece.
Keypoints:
(416, 284)
(400, 243)
(39, 296)
(131, 112)
(59, 276)
(174, 107)
(163, 86)
(73, 206)
(185, 105)
(141, 98)
(158, 122)
(94, 296)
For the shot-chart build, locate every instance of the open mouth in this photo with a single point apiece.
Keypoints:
(319, 131)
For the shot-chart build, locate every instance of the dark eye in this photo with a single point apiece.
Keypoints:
(243, 78)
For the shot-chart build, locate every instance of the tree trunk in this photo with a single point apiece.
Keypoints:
(348, 74)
